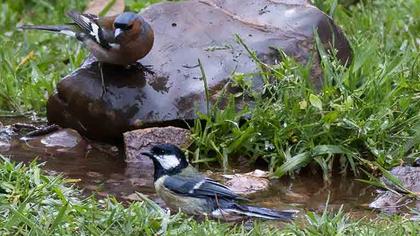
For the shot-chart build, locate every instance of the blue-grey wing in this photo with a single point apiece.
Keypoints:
(199, 187)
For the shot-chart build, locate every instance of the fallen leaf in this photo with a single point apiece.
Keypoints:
(132, 197)
(72, 180)
(27, 58)
(315, 101)
(105, 7)
(248, 183)
(303, 104)
(258, 173)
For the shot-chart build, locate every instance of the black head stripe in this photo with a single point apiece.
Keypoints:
(125, 20)
(123, 26)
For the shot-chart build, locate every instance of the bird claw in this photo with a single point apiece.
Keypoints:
(104, 91)
(145, 68)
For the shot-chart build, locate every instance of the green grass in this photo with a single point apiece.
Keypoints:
(33, 203)
(32, 63)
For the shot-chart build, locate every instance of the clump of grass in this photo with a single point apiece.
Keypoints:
(369, 110)
(33, 62)
(340, 223)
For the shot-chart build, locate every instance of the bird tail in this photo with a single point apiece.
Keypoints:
(261, 212)
(63, 29)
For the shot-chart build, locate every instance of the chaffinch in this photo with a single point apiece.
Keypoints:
(183, 188)
(121, 40)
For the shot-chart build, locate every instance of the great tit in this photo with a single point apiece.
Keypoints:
(183, 188)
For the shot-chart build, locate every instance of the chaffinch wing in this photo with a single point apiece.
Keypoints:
(120, 40)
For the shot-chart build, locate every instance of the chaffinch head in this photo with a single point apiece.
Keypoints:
(183, 187)
(120, 40)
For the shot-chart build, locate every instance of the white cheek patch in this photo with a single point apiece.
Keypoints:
(168, 161)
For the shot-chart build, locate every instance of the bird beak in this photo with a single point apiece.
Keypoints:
(148, 154)
(117, 33)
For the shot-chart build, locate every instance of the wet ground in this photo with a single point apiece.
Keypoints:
(101, 169)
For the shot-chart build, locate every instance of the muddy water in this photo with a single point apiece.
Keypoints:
(101, 170)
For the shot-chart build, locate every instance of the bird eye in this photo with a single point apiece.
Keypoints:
(123, 26)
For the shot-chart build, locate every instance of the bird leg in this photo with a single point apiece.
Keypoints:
(102, 79)
(220, 208)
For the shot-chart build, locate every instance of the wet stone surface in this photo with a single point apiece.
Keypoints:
(6, 133)
(61, 142)
(138, 141)
(186, 31)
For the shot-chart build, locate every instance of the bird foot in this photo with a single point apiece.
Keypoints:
(104, 90)
(145, 68)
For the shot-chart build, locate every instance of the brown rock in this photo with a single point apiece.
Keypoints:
(141, 140)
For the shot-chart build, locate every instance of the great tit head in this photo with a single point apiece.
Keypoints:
(125, 22)
(167, 158)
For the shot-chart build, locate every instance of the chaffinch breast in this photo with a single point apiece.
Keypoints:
(183, 188)
(122, 39)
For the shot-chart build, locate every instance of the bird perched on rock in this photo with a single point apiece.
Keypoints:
(183, 188)
(120, 40)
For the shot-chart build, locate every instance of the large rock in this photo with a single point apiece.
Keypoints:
(185, 32)
(141, 140)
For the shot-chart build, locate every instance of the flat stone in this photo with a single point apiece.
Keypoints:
(248, 183)
(65, 138)
(141, 140)
(185, 32)
(63, 142)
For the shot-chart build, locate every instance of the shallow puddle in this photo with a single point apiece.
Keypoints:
(102, 170)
